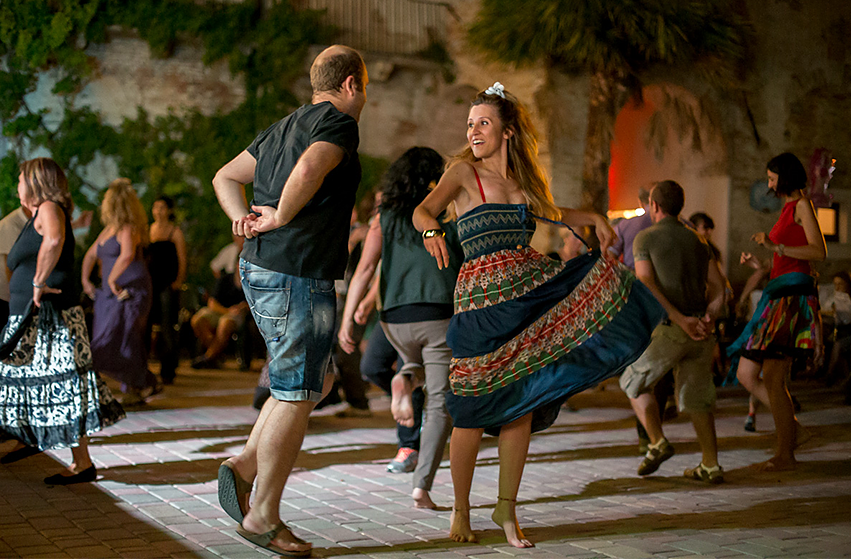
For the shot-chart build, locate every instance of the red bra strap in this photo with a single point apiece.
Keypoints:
(481, 190)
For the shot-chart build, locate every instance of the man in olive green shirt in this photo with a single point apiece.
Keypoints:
(679, 268)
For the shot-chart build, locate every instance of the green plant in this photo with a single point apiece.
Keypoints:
(176, 154)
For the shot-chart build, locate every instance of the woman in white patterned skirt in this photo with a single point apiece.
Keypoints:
(50, 397)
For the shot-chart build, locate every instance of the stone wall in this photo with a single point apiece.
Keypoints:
(796, 97)
(798, 89)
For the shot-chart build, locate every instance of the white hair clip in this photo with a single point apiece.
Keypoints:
(496, 89)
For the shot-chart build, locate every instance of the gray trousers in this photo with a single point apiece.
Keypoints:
(422, 347)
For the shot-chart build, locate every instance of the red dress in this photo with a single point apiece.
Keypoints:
(788, 233)
(784, 324)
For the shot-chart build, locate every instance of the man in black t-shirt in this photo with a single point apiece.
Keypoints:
(305, 170)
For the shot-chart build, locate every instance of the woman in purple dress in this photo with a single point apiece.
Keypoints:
(123, 301)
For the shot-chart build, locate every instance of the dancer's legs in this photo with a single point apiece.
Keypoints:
(704, 428)
(278, 445)
(245, 462)
(748, 375)
(410, 375)
(775, 372)
(435, 357)
(753, 405)
(513, 449)
(647, 411)
(81, 460)
(463, 449)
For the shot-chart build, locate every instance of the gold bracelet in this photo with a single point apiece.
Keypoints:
(429, 233)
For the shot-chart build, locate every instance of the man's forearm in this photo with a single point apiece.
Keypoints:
(231, 195)
(302, 185)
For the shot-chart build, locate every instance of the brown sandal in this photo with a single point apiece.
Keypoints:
(233, 490)
(265, 541)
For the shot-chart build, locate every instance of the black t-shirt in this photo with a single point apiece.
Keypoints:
(227, 293)
(314, 243)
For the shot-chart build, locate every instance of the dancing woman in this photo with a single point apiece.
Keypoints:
(123, 301)
(528, 331)
(785, 323)
(51, 396)
(167, 264)
(416, 305)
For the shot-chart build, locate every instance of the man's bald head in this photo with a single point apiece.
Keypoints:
(333, 65)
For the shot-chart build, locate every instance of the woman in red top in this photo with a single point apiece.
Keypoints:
(785, 324)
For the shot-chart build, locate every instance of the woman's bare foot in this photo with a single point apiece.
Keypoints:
(401, 404)
(459, 526)
(76, 468)
(422, 499)
(506, 518)
(776, 464)
(285, 539)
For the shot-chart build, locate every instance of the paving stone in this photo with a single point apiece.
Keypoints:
(91, 552)
(624, 552)
(696, 546)
(38, 550)
(580, 496)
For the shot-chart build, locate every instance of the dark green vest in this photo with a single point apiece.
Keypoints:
(409, 274)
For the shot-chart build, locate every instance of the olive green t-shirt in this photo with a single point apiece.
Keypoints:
(680, 259)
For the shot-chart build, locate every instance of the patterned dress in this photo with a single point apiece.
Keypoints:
(528, 331)
(785, 320)
(50, 395)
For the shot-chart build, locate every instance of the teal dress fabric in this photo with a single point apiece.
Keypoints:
(528, 331)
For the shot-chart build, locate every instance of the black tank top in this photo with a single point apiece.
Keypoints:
(22, 260)
(162, 262)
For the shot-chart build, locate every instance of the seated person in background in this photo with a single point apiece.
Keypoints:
(215, 324)
(226, 260)
(839, 307)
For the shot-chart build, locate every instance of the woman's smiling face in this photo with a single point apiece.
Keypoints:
(485, 132)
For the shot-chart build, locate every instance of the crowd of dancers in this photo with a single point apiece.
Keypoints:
(497, 335)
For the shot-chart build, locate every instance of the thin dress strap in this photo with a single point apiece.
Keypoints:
(481, 190)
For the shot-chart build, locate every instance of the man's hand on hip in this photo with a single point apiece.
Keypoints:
(242, 227)
(266, 221)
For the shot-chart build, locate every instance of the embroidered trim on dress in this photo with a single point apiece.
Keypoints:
(501, 276)
(589, 307)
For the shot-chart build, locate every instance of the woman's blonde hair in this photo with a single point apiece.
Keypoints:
(45, 181)
(523, 164)
(121, 206)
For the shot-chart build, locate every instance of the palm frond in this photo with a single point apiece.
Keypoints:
(619, 37)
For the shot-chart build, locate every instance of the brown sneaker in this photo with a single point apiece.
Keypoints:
(709, 475)
(656, 454)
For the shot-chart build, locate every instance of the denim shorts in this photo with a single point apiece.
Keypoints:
(296, 318)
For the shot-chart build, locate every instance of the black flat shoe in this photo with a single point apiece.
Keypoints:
(19, 454)
(88, 475)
